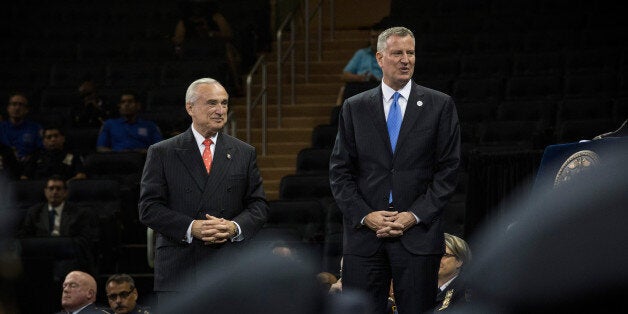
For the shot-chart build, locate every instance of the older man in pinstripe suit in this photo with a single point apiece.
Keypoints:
(201, 191)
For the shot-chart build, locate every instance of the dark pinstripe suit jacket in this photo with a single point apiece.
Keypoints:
(422, 172)
(176, 189)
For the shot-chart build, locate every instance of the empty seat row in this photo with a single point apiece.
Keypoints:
(548, 112)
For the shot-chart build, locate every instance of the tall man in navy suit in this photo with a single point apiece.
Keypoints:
(201, 191)
(392, 193)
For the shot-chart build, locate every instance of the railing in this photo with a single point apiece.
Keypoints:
(260, 97)
(319, 49)
(290, 50)
(281, 59)
(232, 125)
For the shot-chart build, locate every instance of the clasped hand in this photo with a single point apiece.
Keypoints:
(213, 229)
(388, 224)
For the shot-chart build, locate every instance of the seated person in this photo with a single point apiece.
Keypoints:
(18, 132)
(129, 132)
(363, 66)
(53, 158)
(58, 218)
(79, 294)
(203, 23)
(451, 289)
(91, 110)
(122, 295)
(362, 72)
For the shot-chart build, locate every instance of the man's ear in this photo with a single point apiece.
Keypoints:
(378, 57)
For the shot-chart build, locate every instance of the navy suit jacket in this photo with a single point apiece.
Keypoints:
(176, 189)
(422, 172)
(75, 222)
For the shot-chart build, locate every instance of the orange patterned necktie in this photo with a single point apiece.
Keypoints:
(207, 155)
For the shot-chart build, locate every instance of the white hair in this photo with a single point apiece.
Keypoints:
(191, 95)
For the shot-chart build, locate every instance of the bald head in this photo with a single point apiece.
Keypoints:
(79, 290)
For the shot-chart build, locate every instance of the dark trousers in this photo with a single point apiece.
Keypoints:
(414, 277)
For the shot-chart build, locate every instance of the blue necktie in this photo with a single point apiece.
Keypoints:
(394, 124)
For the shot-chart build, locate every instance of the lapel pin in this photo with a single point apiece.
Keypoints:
(228, 156)
(419, 103)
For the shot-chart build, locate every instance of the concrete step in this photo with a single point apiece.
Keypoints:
(271, 187)
(289, 110)
(284, 134)
(316, 67)
(286, 122)
(299, 77)
(281, 148)
(276, 160)
(353, 42)
(276, 173)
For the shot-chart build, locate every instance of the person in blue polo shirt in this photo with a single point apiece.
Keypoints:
(18, 132)
(363, 66)
(129, 132)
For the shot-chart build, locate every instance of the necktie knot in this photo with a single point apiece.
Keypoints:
(207, 142)
(396, 97)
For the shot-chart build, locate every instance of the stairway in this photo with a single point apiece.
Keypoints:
(313, 104)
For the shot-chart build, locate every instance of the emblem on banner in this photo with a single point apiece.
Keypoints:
(581, 161)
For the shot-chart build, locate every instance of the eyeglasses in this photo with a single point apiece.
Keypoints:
(122, 295)
(449, 255)
(55, 188)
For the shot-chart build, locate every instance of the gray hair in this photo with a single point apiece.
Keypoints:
(393, 31)
(191, 95)
(459, 248)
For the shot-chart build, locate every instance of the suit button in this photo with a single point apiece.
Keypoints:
(188, 190)
(228, 189)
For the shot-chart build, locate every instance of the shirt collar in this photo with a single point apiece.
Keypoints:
(79, 310)
(388, 92)
(200, 138)
(58, 209)
(445, 285)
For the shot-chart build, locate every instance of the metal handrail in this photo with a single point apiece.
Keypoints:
(232, 125)
(317, 12)
(281, 59)
(260, 97)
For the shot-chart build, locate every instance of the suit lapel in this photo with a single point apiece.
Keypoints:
(411, 116)
(376, 105)
(66, 216)
(191, 158)
(221, 164)
(43, 219)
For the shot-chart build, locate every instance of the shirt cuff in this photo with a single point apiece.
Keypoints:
(418, 221)
(188, 234)
(238, 237)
